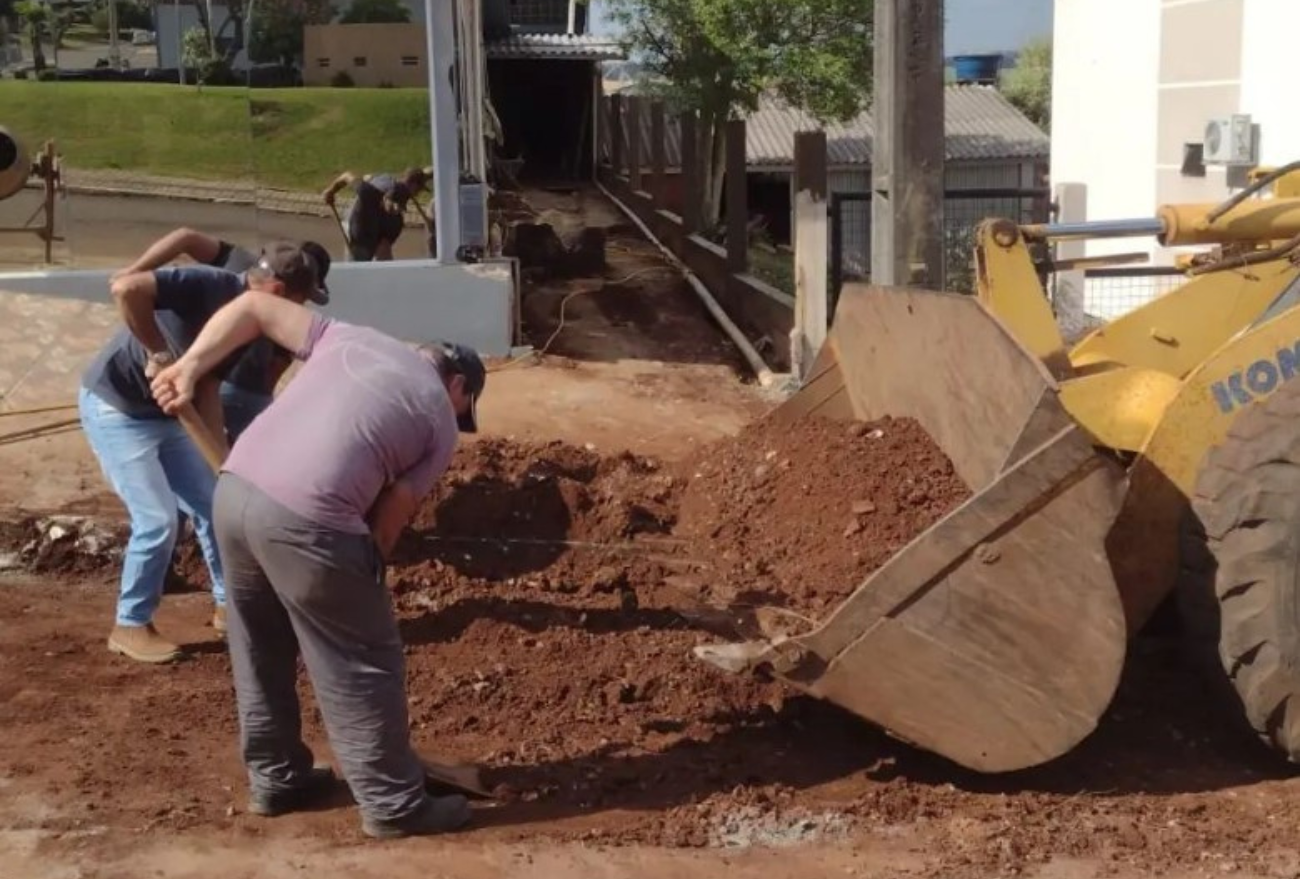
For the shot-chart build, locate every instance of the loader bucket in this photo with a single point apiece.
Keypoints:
(996, 637)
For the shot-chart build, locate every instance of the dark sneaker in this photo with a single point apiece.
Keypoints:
(320, 782)
(436, 815)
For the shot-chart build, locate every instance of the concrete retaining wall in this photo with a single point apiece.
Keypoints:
(412, 300)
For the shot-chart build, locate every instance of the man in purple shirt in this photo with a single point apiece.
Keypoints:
(311, 500)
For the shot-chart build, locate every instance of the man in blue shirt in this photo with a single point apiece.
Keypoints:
(249, 387)
(146, 455)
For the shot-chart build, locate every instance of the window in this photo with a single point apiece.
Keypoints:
(359, 61)
(410, 60)
(554, 13)
(322, 62)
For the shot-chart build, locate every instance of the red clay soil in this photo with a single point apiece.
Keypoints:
(548, 638)
(798, 515)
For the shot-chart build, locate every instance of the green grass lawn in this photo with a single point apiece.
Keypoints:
(278, 138)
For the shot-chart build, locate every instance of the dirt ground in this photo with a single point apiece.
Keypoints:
(549, 594)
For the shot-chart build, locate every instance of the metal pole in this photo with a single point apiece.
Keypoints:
(180, 43)
(440, 42)
(1139, 228)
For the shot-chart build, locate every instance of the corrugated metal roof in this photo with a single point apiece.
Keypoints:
(980, 123)
(574, 47)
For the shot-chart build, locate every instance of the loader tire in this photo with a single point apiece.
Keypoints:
(1239, 593)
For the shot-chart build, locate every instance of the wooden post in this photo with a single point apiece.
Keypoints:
(657, 188)
(737, 201)
(616, 133)
(811, 311)
(908, 155)
(633, 125)
(689, 144)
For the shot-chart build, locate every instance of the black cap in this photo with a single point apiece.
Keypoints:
(292, 266)
(464, 361)
(322, 257)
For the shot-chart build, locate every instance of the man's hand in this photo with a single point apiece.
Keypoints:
(173, 387)
(328, 196)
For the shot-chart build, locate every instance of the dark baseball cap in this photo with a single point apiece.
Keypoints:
(464, 361)
(294, 267)
(322, 257)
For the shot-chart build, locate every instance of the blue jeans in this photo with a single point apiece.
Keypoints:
(154, 467)
(240, 407)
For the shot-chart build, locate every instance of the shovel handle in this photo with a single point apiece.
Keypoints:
(212, 449)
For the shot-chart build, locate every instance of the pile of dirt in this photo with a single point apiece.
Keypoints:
(797, 515)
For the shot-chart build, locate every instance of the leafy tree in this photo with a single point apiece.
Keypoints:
(376, 12)
(198, 54)
(277, 29)
(35, 16)
(1028, 85)
(718, 57)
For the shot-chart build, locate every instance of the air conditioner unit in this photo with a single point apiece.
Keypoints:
(1230, 140)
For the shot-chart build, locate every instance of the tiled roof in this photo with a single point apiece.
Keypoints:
(574, 47)
(980, 123)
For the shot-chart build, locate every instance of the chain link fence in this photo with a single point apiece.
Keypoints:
(963, 211)
(1110, 293)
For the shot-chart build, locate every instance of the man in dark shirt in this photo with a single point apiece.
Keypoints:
(249, 386)
(378, 215)
(147, 457)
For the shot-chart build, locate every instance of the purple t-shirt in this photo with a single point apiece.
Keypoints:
(364, 411)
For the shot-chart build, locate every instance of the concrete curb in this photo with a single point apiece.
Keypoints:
(204, 191)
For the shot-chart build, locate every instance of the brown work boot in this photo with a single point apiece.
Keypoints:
(143, 644)
(219, 620)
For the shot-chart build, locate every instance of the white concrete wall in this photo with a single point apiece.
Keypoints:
(414, 300)
(1104, 106)
(1267, 71)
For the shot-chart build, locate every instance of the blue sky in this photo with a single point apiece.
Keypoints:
(973, 25)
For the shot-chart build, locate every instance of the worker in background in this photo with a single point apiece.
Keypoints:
(309, 505)
(378, 215)
(249, 386)
(147, 457)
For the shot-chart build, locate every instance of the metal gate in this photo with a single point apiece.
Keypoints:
(963, 210)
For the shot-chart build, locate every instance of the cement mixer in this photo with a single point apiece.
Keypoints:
(1160, 453)
(16, 169)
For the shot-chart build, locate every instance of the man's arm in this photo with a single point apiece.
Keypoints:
(347, 178)
(246, 317)
(188, 242)
(136, 296)
(390, 513)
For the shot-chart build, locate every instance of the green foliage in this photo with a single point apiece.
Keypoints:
(377, 12)
(721, 55)
(718, 57)
(277, 30)
(199, 55)
(1028, 85)
(35, 16)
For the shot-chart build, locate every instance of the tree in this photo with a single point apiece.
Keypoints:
(35, 16)
(376, 12)
(718, 57)
(277, 29)
(1028, 85)
(197, 53)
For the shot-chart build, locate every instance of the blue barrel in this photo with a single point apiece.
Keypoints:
(976, 68)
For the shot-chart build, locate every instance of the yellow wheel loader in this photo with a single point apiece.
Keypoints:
(1160, 452)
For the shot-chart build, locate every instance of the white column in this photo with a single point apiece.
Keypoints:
(440, 40)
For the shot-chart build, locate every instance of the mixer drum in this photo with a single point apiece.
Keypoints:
(15, 164)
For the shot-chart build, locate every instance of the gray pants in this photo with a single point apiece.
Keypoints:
(291, 585)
